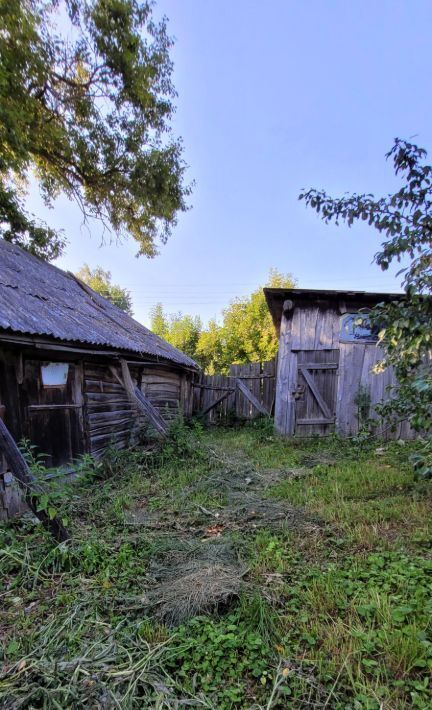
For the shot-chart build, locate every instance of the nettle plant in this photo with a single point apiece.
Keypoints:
(50, 485)
(405, 220)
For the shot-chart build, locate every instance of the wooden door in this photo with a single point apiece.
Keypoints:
(315, 395)
(53, 410)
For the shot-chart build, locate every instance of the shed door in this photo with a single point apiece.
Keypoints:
(51, 395)
(317, 377)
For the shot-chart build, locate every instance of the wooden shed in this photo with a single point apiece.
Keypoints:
(327, 352)
(63, 353)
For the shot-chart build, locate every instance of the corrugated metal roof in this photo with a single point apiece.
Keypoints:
(37, 298)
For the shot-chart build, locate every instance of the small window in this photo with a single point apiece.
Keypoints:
(55, 374)
(357, 328)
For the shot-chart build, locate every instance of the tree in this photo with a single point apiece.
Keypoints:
(85, 106)
(158, 321)
(100, 281)
(211, 347)
(182, 331)
(247, 333)
(405, 221)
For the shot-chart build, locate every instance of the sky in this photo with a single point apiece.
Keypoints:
(274, 97)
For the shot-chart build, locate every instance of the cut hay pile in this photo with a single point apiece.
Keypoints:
(196, 578)
(197, 571)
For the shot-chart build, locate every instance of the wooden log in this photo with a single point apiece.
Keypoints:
(108, 416)
(288, 305)
(99, 386)
(42, 407)
(113, 427)
(251, 397)
(31, 489)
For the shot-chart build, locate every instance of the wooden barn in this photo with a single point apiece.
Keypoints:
(327, 351)
(70, 362)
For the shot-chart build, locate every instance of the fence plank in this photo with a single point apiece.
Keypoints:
(259, 380)
(251, 397)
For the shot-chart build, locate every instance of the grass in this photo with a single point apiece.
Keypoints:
(334, 615)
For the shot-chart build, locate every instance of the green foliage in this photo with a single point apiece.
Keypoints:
(404, 219)
(332, 615)
(263, 427)
(422, 462)
(100, 281)
(184, 441)
(182, 331)
(85, 105)
(51, 490)
(369, 619)
(218, 657)
(247, 333)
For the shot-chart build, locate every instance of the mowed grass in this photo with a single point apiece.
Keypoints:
(357, 601)
(371, 497)
(335, 616)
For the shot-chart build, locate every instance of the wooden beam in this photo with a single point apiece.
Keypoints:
(316, 421)
(320, 365)
(251, 397)
(309, 379)
(31, 488)
(213, 387)
(142, 402)
(37, 407)
(215, 403)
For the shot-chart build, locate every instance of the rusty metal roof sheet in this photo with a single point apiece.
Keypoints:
(37, 298)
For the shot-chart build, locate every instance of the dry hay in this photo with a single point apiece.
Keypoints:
(245, 505)
(197, 575)
(271, 476)
(192, 579)
(249, 510)
(318, 459)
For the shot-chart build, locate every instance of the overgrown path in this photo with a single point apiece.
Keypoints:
(199, 568)
(226, 570)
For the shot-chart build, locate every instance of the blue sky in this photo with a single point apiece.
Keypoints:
(274, 97)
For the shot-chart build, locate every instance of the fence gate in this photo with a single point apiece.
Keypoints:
(315, 394)
(247, 392)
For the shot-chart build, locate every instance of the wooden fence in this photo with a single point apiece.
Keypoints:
(247, 392)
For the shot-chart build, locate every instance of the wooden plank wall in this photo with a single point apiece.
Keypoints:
(258, 377)
(317, 327)
(111, 418)
(355, 371)
(163, 387)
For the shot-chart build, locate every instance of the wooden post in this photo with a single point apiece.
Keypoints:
(31, 488)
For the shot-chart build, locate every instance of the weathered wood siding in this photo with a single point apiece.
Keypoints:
(258, 377)
(111, 417)
(315, 327)
(163, 387)
(11, 503)
(89, 413)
